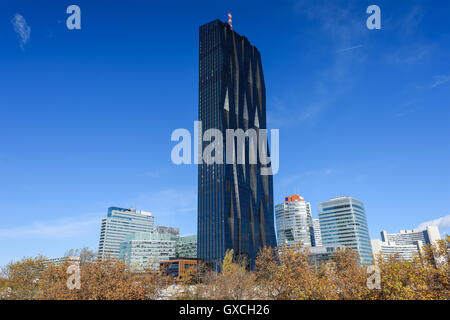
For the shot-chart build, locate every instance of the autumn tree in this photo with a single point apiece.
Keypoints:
(21, 278)
(84, 253)
(348, 278)
(287, 273)
(102, 280)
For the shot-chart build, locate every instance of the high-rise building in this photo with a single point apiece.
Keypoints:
(429, 235)
(235, 202)
(117, 225)
(405, 244)
(343, 221)
(294, 221)
(400, 251)
(316, 234)
(187, 246)
(147, 249)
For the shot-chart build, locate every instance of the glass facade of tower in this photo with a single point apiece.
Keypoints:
(117, 225)
(235, 202)
(343, 221)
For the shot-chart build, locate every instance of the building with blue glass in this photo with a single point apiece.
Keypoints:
(343, 221)
(235, 202)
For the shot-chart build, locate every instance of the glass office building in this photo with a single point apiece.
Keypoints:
(117, 225)
(147, 249)
(294, 222)
(235, 202)
(316, 240)
(187, 247)
(343, 221)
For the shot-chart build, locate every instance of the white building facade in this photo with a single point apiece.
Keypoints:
(406, 244)
(294, 221)
(117, 225)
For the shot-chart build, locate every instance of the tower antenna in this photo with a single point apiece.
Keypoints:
(229, 21)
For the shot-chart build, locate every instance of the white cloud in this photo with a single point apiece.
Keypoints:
(441, 223)
(438, 80)
(55, 230)
(22, 29)
(351, 48)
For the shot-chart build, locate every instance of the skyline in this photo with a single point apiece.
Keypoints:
(82, 112)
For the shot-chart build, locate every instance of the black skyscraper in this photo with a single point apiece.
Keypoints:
(235, 202)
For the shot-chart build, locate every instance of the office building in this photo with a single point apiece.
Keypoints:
(177, 267)
(63, 260)
(117, 225)
(406, 244)
(321, 254)
(168, 230)
(235, 202)
(343, 221)
(187, 247)
(427, 236)
(144, 250)
(316, 235)
(398, 251)
(294, 222)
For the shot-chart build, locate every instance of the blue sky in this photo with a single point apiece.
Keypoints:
(86, 115)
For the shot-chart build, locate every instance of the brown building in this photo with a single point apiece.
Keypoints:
(177, 266)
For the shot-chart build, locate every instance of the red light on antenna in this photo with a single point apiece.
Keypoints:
(229, 21)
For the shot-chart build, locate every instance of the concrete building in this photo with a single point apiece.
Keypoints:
(343, 221)
(429, 235)
(406, 244)
(293, 221)
(400, 251)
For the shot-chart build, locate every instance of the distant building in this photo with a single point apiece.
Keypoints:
(343, 221)
(406, 244)
(400, 251)
(186, 247)
(427, 236)
(293, 221)
(146, 249)
(168, 230)
(177, 267)
(322, 254)
(62, 260)
(117, 225)
(316, 235)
